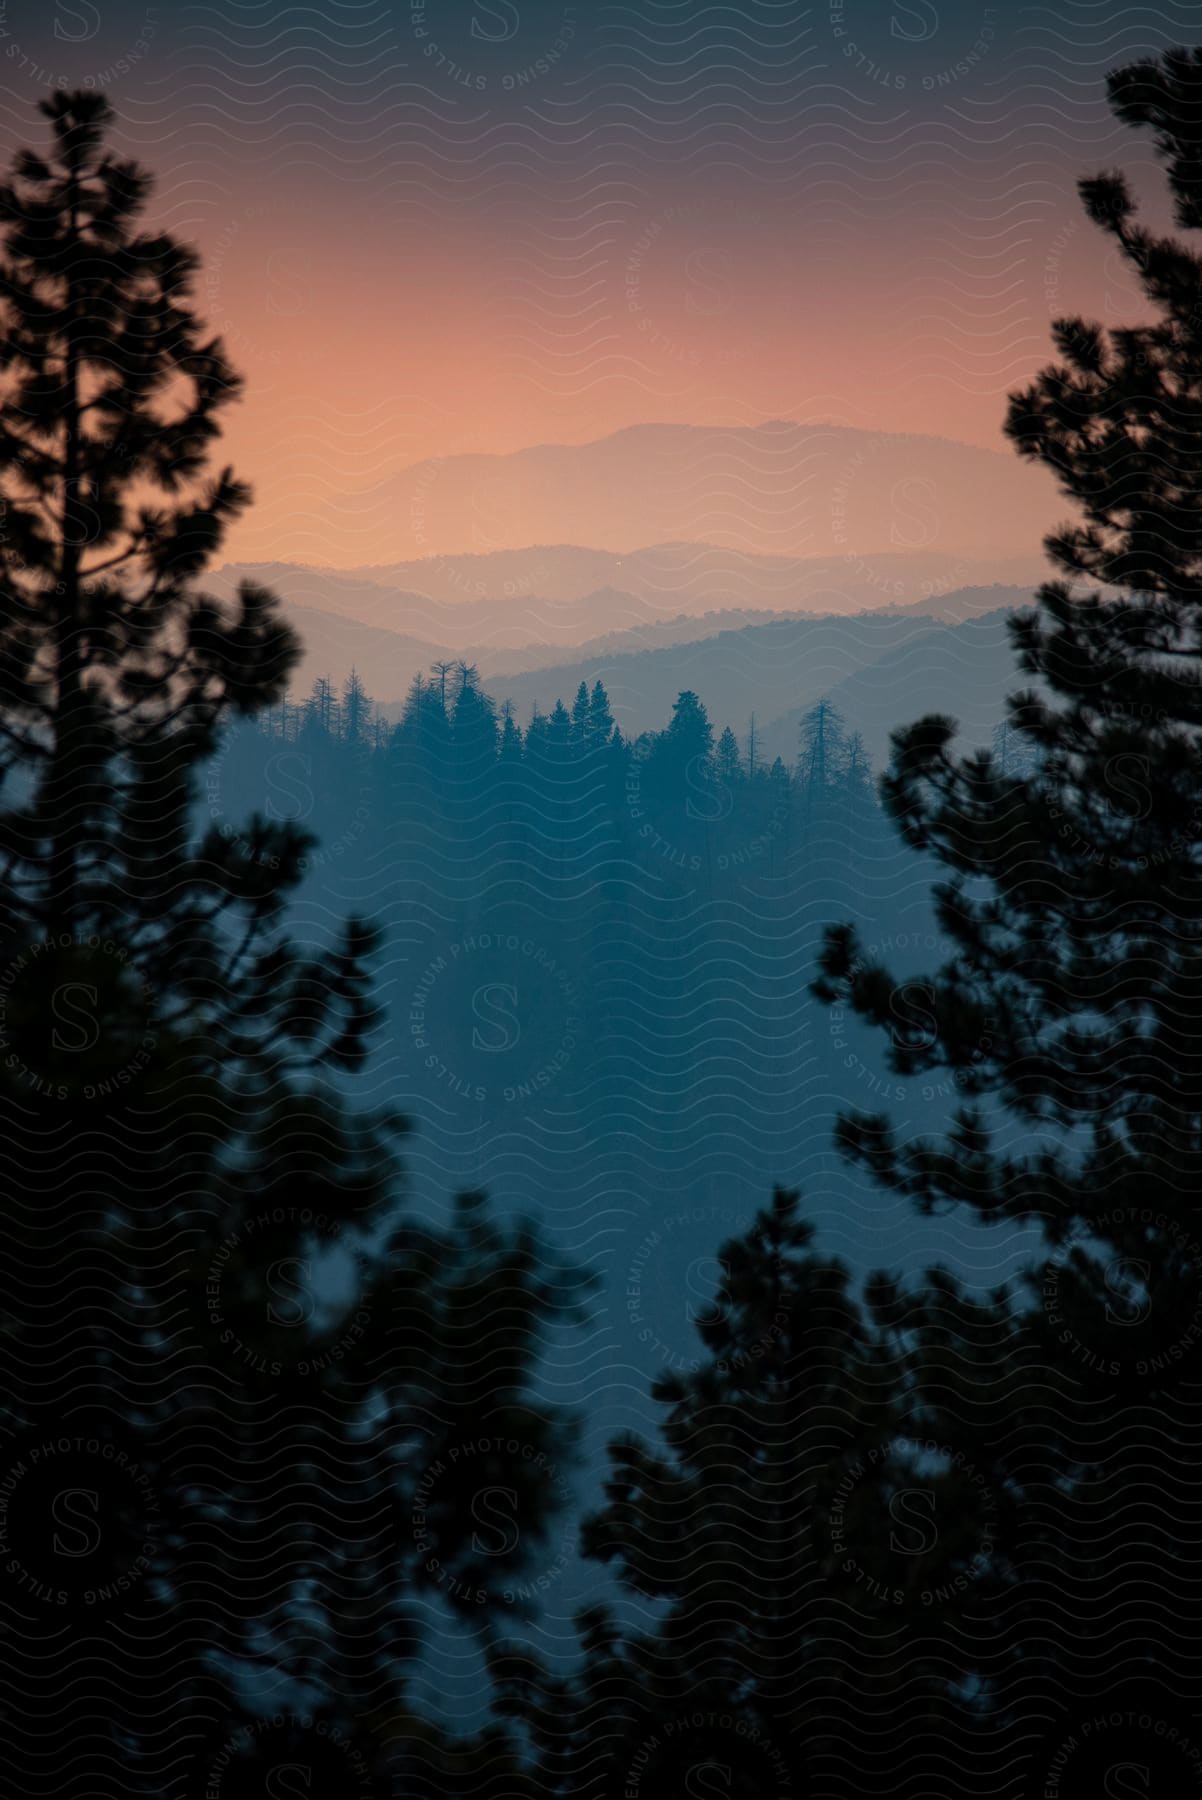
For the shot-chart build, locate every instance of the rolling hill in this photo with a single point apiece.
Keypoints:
(780, 667)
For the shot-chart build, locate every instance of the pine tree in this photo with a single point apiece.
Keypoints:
(580, 713)
(600, 718)
(511, 736)
(559, 730)
(689, 732)
(466, 675)
(727, 760)
(474, 742)
(753, 761)
(823, 750)
(322, 710)
(443, 671)
(1067, 1018)
(857, 768)
(221, 1347)
(356, 712)
(421, 745)
(411, 711)
(826, 1516)
(616, 771)
(474, 733)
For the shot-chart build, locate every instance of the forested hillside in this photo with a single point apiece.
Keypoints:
(596, 950)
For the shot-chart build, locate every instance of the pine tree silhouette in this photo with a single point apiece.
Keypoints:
(986, 1577)
(727, 760)
(600, 718)
(234, 1375)
(580, 713)
(827, 1518)
(753, 760)
(1067, 1018)
(356, 712)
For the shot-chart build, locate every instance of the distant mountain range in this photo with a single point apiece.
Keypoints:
(668, 579)
(560, 595)
(964, 670)
(780, 489)
(762, 566)
(506, 619)
(882, 669)
(738, 660)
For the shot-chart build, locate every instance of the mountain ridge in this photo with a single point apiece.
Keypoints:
(795, 488)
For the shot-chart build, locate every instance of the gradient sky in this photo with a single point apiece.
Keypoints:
(432, 226)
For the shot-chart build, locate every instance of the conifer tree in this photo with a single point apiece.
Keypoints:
(559, 731)
(474, 733)
(580, 713)
(827, 1518)
(355, 712)
(823, 751)
(600, 718)
(322, 711)
(224, 1355)
(511, 736)
(421, 744)
(1046, 1640)
(1067, 1018)
(727, 759)
(857, 768)
(689, 732)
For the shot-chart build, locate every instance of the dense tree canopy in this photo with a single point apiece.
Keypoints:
(1067, 1013)
(229, 1361)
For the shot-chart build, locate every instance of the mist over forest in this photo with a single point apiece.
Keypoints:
(600, 988)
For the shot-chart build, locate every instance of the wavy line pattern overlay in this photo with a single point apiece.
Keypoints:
(449, 1163)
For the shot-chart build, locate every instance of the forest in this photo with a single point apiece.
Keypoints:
(597, 951)
(438, 1352)
(683, 798)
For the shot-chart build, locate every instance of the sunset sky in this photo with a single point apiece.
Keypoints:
(479, 226)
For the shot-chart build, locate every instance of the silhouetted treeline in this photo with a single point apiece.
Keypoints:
(595, 951)
(687, 798)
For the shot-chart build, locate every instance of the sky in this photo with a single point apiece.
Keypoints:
(432, 227)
